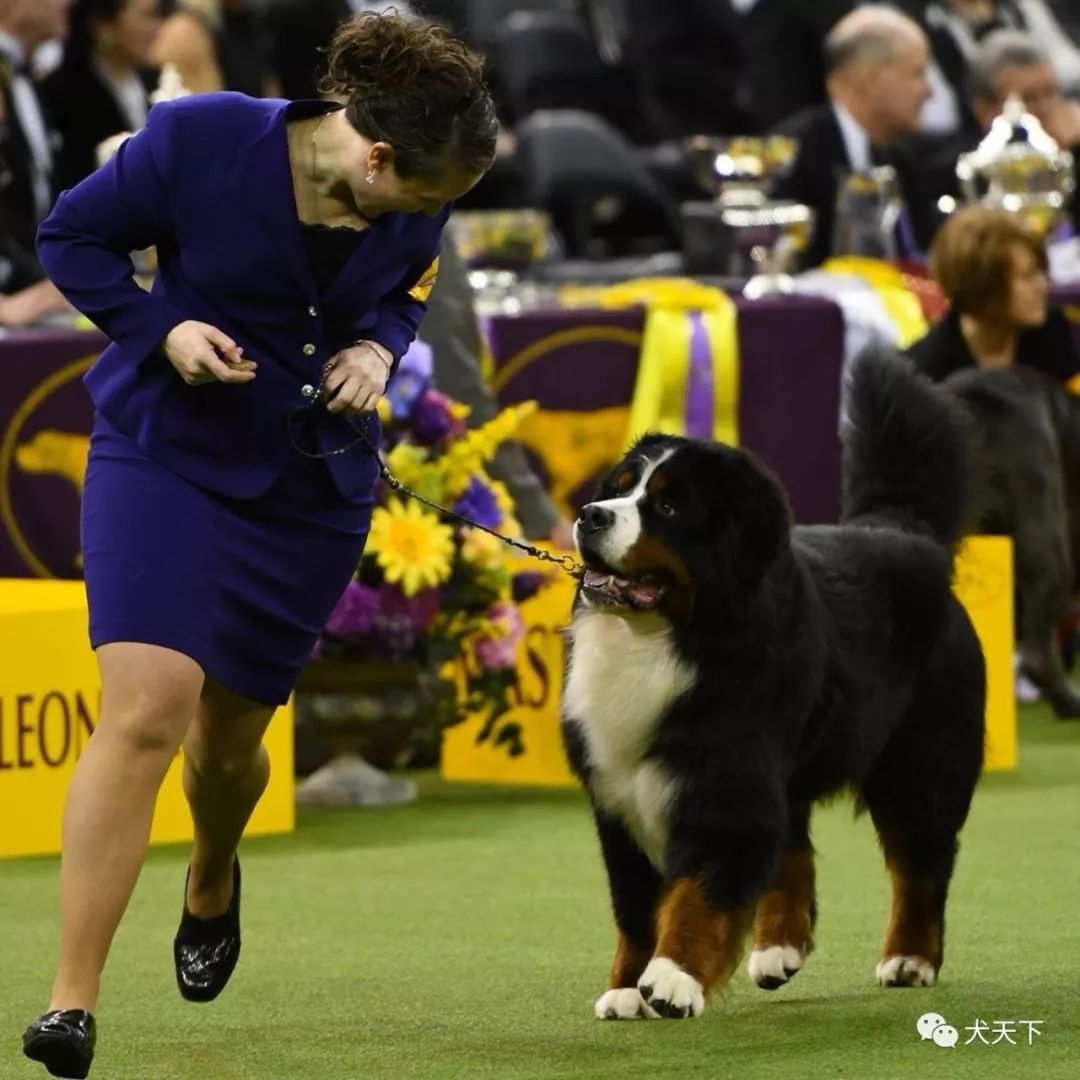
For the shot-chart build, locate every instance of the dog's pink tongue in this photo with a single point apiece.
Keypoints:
(646, 593)
(615, 588)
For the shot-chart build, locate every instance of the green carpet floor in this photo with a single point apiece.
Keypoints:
(467, 936)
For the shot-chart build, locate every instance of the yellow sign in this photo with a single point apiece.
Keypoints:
(540, 678)
(49, 696)
(983, 585)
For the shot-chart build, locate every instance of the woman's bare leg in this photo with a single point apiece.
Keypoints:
(226, 769)
(149, 697)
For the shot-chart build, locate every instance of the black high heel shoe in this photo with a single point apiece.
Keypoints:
(205, 951)
(63, 1041)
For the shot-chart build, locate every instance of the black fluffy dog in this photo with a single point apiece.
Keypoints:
(727, 670)
(1027, 428)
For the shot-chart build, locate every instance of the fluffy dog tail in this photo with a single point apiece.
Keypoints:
(905, 442)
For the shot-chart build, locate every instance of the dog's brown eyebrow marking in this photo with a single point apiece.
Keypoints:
(626, 479)
(657, 482)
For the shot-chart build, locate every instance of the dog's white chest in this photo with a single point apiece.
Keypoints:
(622, 680)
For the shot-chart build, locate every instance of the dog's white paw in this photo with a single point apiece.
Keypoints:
(772, 967)
(624, 1004)
(673, 993)
(906, 971)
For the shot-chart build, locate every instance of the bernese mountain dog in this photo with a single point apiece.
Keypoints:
(727, 670)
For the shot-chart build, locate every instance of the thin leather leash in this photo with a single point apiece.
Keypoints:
(566, 563)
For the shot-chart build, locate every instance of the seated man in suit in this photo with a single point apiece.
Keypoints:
(1008, 62)
(27, 143)
(26, 295)
(876, 63)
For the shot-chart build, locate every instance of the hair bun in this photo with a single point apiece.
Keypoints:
(417, 87)
(377, 53)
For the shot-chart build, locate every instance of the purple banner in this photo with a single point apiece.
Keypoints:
(571, 361)
(45, 420)
(791, 355)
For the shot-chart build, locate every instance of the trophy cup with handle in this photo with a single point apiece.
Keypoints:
(744, 232)
(1020, 168)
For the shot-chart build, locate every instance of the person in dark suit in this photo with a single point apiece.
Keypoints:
(228, 497)
(687, 61)
(103, 85)
(26, 295)
(876, 60)
(28, 144)
(783, 41)
(299, 30)
(955, 28)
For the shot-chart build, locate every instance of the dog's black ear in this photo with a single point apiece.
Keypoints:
(761, 520)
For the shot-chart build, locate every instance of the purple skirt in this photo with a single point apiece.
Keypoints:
(242, 586)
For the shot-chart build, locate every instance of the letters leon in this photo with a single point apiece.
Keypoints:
(43, 731)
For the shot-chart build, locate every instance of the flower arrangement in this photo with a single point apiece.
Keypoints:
(429, 591)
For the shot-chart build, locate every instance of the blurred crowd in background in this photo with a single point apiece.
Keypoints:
(641, 75)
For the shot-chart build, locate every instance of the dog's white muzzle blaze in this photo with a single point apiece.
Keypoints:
(611, 527)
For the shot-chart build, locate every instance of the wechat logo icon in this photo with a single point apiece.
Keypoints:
(933, 1026)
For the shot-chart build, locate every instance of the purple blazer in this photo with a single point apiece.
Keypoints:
(208, 184)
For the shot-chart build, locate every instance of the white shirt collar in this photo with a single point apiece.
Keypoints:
(856, 140)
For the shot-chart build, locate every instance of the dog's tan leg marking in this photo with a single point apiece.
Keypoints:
(783, 927)
(911, 955)
(697, 948)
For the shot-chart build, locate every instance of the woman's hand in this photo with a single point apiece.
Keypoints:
(201, 353)
(358, 378)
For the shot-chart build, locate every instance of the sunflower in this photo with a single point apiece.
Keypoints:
(411, 546)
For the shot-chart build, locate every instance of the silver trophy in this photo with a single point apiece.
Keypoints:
(1020, 168)
(744, 232)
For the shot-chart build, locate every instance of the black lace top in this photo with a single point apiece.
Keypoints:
(329, 248)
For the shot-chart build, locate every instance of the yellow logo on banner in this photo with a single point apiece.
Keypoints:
(47, 452)
(49, 695)
(538, 697)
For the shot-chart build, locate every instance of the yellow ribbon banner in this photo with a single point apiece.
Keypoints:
(902, 305)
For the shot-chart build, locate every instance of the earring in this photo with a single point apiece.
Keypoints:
(370, 178)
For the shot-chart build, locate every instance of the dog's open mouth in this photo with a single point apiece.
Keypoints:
(642, 593)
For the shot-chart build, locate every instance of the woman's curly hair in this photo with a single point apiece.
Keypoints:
(415, 86)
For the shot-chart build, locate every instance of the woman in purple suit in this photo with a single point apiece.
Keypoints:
(228, 494)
